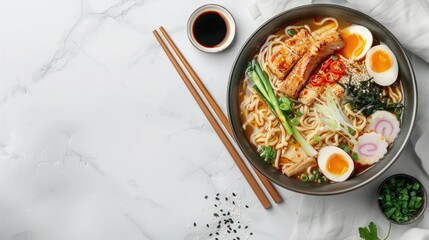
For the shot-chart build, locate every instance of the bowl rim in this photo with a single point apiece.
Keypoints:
(413, 179)
(413, 111)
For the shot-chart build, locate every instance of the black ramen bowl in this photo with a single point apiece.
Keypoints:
(406, 75)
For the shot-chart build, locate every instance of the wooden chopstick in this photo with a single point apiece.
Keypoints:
(241, 165)
(267, 184)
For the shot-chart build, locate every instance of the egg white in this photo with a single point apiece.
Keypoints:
(322, 158)
(365, 33)
(387, 77)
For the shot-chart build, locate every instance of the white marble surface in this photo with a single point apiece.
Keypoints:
(100, 139)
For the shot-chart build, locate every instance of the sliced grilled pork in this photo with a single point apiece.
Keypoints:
(297, 78)
(282, 61)
(285, 57)
(301, 42)
(309, 94)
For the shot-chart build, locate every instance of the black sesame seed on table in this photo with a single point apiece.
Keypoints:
(206, 197)
(217, 233)
(215, 205)
(233, 194)
(221, 210)
(246, 206)
(233, 202)
(218, 226)
(251, 233)
(217, 198)
(226, 199)
(207, 225)
(211, 234)
(245, 227)
(217, 195)
(235, 231)
(195, 224)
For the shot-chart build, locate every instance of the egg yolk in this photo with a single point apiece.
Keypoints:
(381, 61)
(336, 164)
(354, 45)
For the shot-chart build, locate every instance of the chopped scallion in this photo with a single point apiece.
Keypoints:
(304, 178)
(295, 121)
(346, 149)
(291, 32)
(284, 107)
(355, 156)
(316, 139)
(267, 153)
(400, 199)
(324, 179)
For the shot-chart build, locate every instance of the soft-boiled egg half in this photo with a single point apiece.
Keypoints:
(335, 164)
(358, 40)
(382, 65)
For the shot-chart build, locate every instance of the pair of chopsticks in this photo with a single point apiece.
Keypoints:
(234, 154)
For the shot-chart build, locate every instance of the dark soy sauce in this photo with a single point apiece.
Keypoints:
(209, 29)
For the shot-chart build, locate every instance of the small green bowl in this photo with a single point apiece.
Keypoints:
(420, 193)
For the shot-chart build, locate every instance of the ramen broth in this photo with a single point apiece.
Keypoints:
(257, 118)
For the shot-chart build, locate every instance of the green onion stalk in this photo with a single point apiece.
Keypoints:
(264, 89)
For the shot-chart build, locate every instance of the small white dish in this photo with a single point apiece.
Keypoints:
(194, 28)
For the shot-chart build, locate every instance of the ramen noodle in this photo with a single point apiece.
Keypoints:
(345, 100)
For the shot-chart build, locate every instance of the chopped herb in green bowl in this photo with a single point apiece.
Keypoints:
(402, 199)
